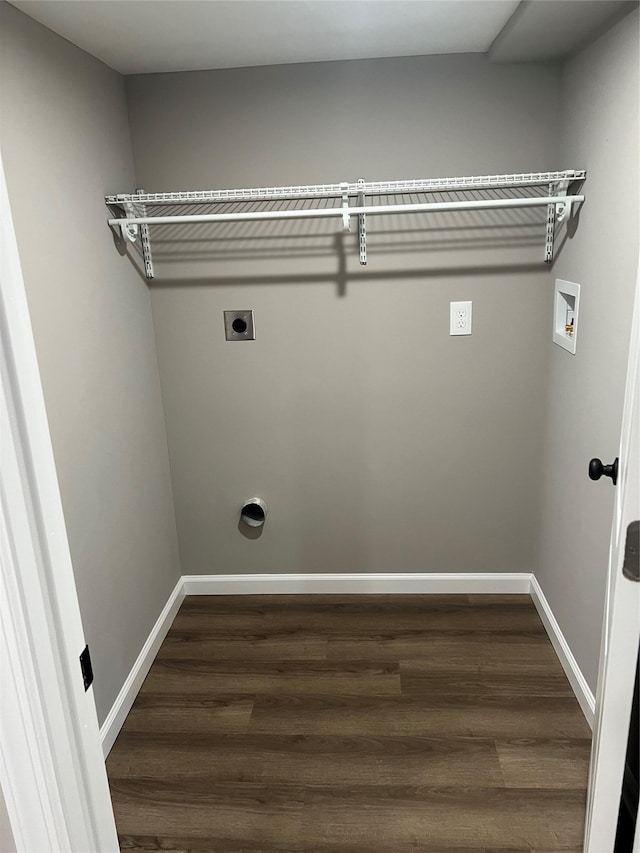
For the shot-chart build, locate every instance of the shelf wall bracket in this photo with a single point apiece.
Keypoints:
(563, 207)
(346, 216)
(362, 224)
(128, 229)
(146, 243)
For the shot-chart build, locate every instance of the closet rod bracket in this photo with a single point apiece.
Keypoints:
(346, 216)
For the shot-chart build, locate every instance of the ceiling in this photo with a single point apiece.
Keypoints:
(144, 36)
(543, 30)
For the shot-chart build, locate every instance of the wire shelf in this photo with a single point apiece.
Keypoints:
(138, 211)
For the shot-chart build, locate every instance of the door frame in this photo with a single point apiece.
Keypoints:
(52, 771)
(620, 628)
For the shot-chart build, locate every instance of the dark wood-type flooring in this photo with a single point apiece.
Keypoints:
(353, 723)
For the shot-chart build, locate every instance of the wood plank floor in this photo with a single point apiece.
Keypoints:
(353, 724)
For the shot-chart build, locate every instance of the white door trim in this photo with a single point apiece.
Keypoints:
(621, 626)
(52, 771)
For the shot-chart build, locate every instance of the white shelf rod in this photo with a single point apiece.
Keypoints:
(478, 182)
(328, 212)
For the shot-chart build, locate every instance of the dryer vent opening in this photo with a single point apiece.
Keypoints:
(254, 512)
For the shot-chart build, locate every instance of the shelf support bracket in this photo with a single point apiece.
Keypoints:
(346, 216)
(362, 224)
(556, 213)
(551, 229)
(146, 244)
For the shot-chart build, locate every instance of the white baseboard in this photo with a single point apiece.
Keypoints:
(357, 584)
(573, 672)
(502, 583)
(111, 727)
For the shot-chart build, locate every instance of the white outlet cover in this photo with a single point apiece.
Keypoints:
(460, 318)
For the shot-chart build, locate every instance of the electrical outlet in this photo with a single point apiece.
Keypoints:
(460, 318)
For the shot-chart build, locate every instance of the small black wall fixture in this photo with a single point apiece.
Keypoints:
(86, 668)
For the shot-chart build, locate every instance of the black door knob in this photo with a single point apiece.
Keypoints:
(597, 469)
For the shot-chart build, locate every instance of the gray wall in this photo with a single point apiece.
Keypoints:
(379, 442)
(65, 143)
(7, 842)
(600, 133)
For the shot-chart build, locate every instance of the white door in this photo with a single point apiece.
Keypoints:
(52, 771)
(621, 631)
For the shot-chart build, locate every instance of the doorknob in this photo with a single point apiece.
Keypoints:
(597, 469)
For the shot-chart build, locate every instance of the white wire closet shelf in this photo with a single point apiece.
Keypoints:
(137, 211)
